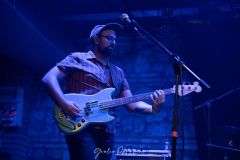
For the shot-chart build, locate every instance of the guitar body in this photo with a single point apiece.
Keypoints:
(91, 113)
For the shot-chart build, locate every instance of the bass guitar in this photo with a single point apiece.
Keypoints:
(94, 108)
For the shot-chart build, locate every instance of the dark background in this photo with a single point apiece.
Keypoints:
(210, 41)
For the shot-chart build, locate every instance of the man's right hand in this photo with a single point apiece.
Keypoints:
(71, 108)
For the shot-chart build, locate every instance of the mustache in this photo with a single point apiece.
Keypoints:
(112, 47)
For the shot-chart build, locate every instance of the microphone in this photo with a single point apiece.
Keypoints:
(124, 17)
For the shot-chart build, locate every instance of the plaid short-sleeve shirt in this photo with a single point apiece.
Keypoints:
(87, 75)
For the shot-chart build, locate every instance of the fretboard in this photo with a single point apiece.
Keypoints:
(127, 100)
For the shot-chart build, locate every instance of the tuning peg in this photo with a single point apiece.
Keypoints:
(186, 82)
(195, 83)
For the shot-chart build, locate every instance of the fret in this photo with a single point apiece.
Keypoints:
(127, 100)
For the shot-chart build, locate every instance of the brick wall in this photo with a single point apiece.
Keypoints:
(16, 140)
(146, 68)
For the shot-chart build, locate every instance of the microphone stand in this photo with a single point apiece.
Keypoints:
(177, 68)
(208, 104)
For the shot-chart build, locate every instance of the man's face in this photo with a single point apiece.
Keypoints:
(107, 42)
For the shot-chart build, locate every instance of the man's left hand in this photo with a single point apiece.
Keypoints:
(158, 98)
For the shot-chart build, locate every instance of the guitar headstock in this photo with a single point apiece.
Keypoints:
(186, 89)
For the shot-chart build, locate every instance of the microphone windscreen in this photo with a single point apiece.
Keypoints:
(124, 16)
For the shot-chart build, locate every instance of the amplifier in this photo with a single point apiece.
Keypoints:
(144, 155)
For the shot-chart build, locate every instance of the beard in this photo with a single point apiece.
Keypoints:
(107, 51)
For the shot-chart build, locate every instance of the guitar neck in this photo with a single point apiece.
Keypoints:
(132, 99)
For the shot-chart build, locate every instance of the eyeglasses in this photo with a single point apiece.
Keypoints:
(109, 38)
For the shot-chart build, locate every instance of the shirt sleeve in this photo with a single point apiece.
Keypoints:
(119, 78)
(67, 64)
(125, 85)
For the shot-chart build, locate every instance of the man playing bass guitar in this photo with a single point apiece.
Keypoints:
(88, 73)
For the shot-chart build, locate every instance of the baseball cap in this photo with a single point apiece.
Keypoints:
(99, 28)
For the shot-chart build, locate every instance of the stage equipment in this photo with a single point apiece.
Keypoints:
(224, 136)
(178, 67)
(137, 154)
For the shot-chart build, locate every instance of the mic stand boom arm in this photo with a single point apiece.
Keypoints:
(174, 56)
(177, 67)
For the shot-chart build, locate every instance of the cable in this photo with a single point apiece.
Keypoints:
(146, 39)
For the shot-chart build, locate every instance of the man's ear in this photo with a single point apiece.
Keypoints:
(95, 40)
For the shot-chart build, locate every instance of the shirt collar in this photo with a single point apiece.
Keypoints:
(92, 56)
